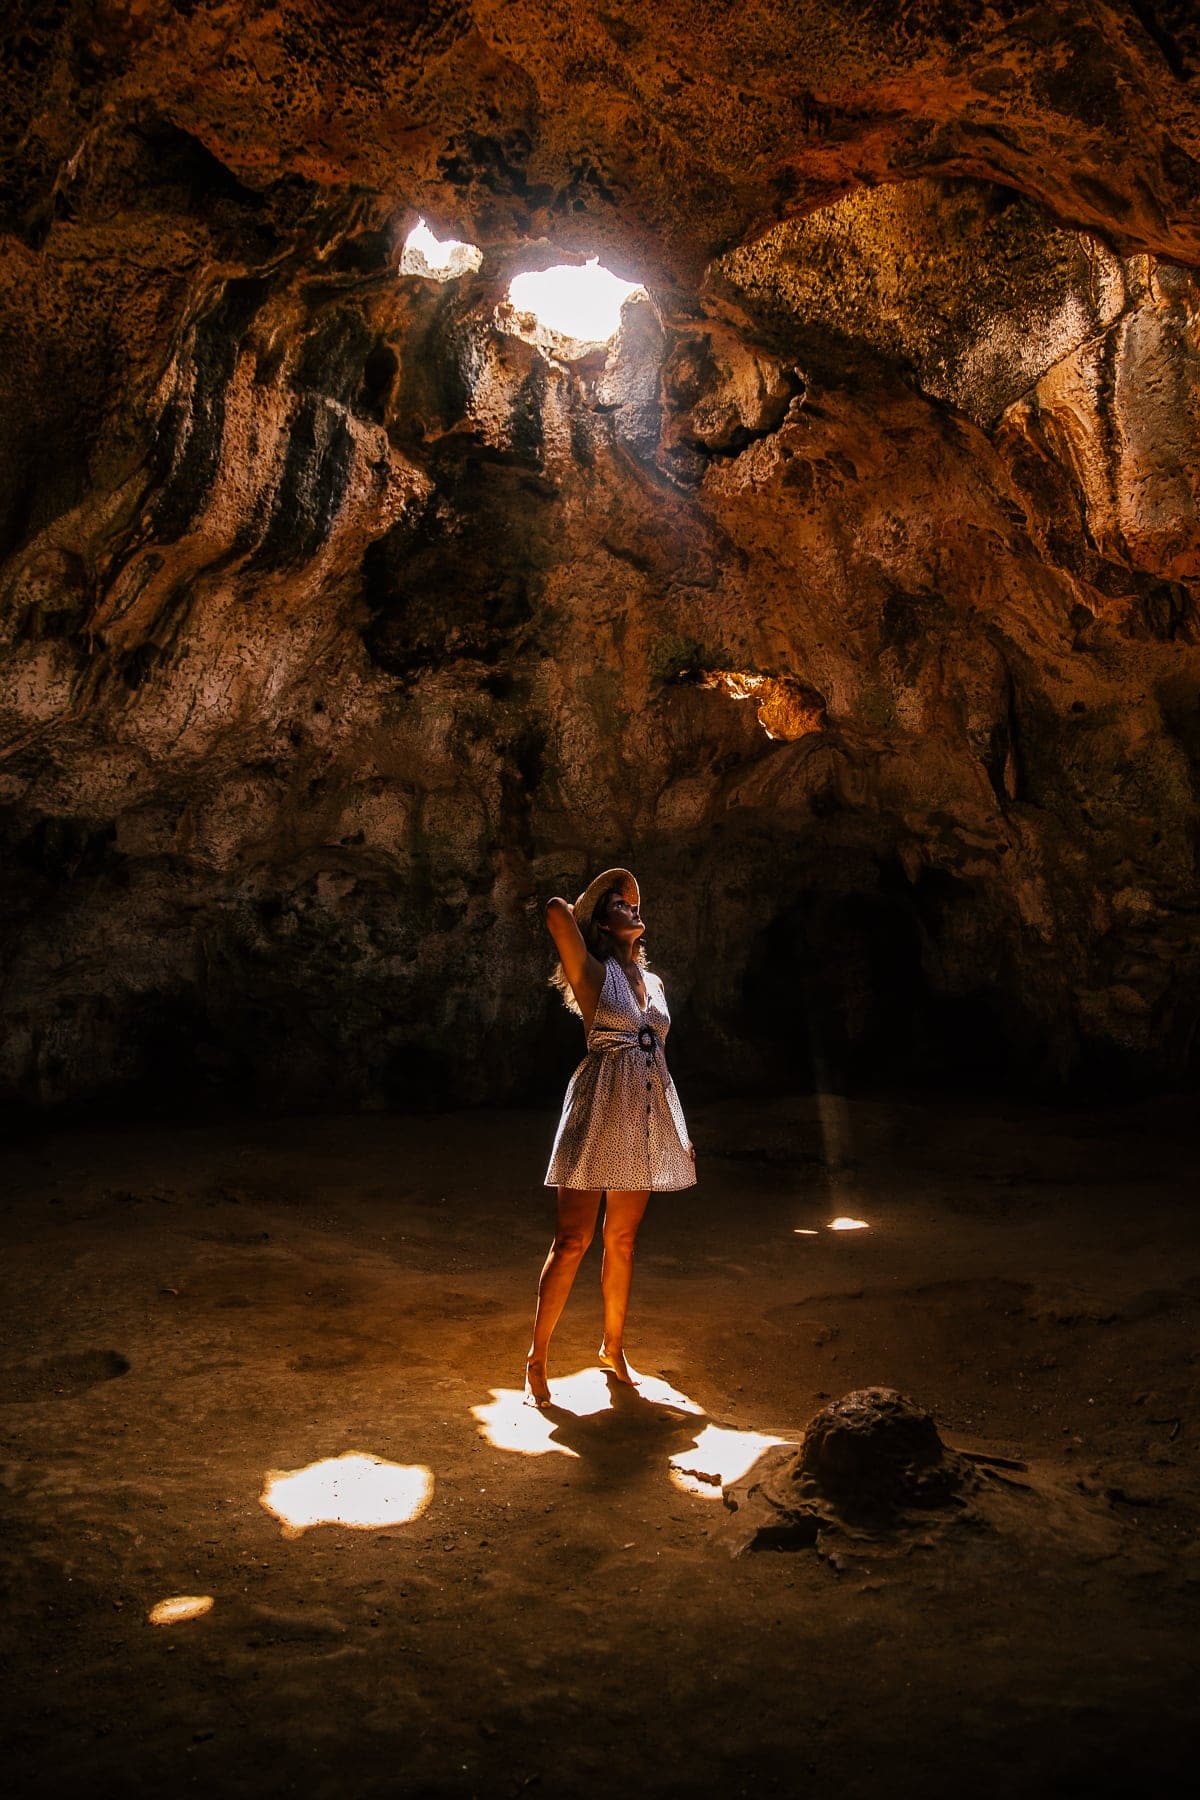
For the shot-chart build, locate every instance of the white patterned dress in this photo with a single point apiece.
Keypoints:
(622, 1126)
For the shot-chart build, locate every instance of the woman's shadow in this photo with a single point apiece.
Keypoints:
(620, 1433)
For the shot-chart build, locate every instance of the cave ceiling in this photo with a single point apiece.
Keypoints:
(659, 135)
(850, 591)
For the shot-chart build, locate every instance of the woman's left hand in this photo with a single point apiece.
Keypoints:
(692, 1152)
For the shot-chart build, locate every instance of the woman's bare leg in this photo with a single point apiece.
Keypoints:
(577, 1210)
(622, 1216)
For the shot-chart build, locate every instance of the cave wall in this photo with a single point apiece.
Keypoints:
(850, 594)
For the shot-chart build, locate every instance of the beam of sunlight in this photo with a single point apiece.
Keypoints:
(354, 1489)
(509, 1424)
(832, 1118)
(580, 303)
(180, 1607)
(721, 1455)
(424, 255)
(844, 1224)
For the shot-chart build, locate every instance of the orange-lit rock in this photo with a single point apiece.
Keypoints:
(340, 623)
(785, 709)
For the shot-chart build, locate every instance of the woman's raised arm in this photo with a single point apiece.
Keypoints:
(568, 941)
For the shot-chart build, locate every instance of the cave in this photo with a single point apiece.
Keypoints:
(842, 581)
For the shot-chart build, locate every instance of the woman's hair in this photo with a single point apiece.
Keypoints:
(599, 943)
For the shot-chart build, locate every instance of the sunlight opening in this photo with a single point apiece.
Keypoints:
(584, 304)
(355, 1490)
(844, 1224)
(721, 1455)
(180, 1607)
(424, 255)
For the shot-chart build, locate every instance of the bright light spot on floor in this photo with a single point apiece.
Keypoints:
(661, 1393)
(508, 1423)
(180, 1607)
(580, 303)
(803, 1231)
(844, 1224)
(720, 1456)
(423, 255)
(355, 1490)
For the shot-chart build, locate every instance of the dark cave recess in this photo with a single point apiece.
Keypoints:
(839, 985)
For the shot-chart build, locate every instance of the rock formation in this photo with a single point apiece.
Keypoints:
(872, 1480)
(849, 593)
(868, 1464)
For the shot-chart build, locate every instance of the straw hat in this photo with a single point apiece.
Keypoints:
(586, 904)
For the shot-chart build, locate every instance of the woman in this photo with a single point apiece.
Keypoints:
(622, 1132)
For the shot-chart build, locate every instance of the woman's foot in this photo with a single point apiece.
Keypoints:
(613, 1363)
(537, 1388)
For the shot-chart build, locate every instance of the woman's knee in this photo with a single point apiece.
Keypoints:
(570, 1242)
(620, 1239)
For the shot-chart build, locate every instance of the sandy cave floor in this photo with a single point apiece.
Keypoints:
(188, 1308)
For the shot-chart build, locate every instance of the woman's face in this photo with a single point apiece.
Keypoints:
(623, 920)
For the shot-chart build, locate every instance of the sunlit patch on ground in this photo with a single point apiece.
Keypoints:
(180, 1607)
(356, 1490)
(721, 1455)
(508, 1423)
(805, 1231)
(844, 1224)
(661, 1393)
(584, 304)
(424, 255)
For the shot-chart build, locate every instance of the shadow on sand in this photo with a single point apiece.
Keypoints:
(621, 1433)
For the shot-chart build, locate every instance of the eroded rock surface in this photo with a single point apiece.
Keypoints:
(849, 593)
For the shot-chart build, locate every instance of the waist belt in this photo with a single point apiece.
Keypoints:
(605, 1042)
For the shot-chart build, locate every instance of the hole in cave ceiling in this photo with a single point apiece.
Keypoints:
(582, 304)
(443, 261)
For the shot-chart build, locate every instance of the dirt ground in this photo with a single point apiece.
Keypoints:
(190, 1308)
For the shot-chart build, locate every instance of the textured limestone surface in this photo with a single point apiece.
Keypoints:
(849, 593)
